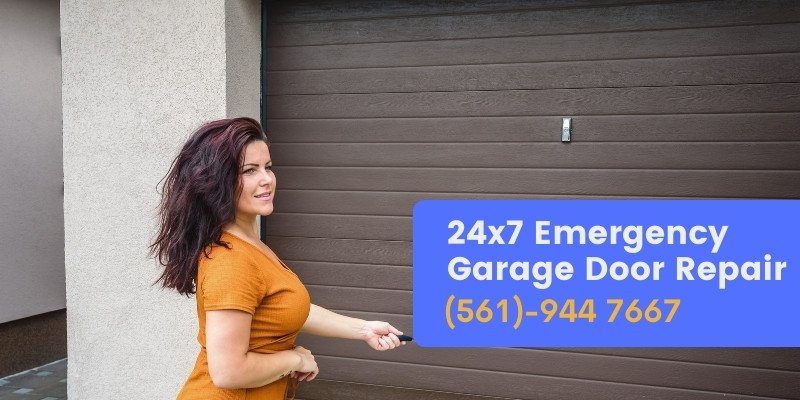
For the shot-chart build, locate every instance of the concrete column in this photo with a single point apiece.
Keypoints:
(138, 78)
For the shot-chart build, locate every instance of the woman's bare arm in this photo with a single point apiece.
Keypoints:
(232, 366)
(378, 334)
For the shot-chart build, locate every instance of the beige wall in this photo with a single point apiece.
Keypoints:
(137, 80)
(31, 221)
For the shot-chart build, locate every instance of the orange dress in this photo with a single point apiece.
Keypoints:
(244, 278)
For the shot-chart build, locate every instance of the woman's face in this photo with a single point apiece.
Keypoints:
(257, 182)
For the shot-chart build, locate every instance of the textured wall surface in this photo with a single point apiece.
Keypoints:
(243, 44)
(31, 233)
(137, 79)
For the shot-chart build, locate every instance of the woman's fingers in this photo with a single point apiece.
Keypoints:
(388, 342)
(307, 376)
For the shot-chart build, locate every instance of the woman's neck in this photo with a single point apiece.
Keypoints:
(244, 227)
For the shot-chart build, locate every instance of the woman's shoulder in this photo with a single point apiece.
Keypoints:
(229, 273)
(231, 251)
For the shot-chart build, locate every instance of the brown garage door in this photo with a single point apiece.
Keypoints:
(374, 105)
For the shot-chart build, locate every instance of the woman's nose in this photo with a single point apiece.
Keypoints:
(266, 178)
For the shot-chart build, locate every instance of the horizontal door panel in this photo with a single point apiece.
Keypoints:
(752, 39)
(762, 127)
(707, 156)
(755, 184)
(720, 70)
(556, 102)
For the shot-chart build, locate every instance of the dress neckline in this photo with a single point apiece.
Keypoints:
(272, 257)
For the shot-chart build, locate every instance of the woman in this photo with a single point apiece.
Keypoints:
(250, 305)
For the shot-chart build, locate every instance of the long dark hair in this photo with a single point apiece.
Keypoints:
(198, 198)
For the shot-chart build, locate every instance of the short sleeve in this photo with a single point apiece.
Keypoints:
(231, 281)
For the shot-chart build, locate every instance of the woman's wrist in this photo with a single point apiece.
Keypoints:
(297, 364)
(364, 330)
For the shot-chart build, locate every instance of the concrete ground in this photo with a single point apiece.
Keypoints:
(48, 382)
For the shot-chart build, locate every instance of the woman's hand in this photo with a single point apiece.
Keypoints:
(308, 369)
(381, 335)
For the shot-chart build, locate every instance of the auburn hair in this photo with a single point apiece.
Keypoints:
(198, 198)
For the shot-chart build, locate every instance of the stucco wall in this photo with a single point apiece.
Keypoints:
(31, 233)
(137, 79)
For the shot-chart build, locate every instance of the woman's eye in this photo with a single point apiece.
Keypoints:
(248, 171)
(268, 168)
